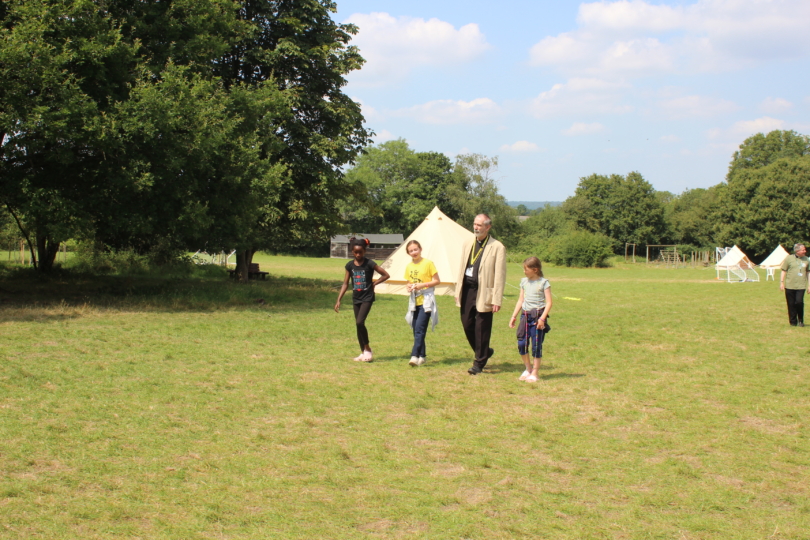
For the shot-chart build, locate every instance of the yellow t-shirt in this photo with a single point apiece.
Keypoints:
(420, 273)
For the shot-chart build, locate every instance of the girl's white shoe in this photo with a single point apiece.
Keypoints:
(367, 356)
(524, 375)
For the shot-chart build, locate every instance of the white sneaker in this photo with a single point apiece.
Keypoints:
(421, 360)
(414, 361)
(524, 375)
(367, 356)
(358, 358)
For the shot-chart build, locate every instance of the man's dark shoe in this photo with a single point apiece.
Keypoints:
(801, 324)
(473, 371)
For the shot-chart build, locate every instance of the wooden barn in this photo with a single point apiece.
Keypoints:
(380, 245)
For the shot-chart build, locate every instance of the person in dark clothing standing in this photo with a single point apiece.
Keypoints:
(361, 273)
(479, 289)
(794, 282)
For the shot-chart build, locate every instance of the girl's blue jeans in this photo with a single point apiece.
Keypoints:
(533, 336)
(420, 321)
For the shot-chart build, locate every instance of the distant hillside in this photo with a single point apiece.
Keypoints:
(532, 205)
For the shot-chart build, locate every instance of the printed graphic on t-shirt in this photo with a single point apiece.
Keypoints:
(413, 275)
(359, 279)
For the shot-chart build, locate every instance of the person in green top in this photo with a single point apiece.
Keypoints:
(794, 283)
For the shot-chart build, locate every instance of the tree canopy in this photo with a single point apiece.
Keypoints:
(761, 150)
(398, 188)
(623, 208)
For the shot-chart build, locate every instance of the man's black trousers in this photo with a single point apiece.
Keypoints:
(795, 303)
(477, 326)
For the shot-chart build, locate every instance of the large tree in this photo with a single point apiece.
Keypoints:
(767, 206)
(296, 45)
(764, 201)
(623, 208)
(110, 145)
(62, 65)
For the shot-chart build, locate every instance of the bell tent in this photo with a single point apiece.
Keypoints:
(737, 265)
(774, 261)
(441, 239)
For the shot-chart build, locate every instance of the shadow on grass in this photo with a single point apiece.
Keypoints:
(518, 368)
(451, 361)
(562, 376)
(198, 290)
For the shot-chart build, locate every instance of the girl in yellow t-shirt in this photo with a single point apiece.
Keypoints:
(422, 276)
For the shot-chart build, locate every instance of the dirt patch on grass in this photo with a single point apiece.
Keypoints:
(474, 496)
(448, 470)
(769, 426)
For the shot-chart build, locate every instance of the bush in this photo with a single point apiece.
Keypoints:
(580, 248)
(95, 259)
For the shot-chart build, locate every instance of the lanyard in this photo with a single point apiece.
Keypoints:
(473, 256)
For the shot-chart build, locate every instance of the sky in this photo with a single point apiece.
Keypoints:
(561, 90)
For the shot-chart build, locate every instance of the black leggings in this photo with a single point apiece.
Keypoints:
(360, 314)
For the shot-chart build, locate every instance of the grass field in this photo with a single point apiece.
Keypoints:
(187, 406)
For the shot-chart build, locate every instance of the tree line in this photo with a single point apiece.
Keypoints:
(762, 203)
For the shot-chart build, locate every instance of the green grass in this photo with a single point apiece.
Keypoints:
(180, 407)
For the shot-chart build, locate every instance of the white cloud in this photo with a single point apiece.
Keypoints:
(696, 106)
(580, 128)
(775, 105)
(521, 146)
(633, 16)
(580, 96)
(592, 57)
(393, 46)
(671, 138)
(446, 111)
(743, 129)
(746, 128)
(636, 37)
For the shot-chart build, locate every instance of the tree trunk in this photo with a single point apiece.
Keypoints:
(46, 251)
(243, 259)
(25, 235)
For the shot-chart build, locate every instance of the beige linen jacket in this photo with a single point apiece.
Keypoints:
(491, 274)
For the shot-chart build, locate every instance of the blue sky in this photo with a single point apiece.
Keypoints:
(560, 90)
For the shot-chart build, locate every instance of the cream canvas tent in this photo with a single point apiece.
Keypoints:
(774, 261)
(441, 239)
(737, 265)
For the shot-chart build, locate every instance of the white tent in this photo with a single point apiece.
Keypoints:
(774, 261)
(737, 264)
(441, 239)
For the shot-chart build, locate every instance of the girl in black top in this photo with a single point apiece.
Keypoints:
(361, 271)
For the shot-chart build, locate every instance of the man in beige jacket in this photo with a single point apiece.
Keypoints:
(479, 289)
